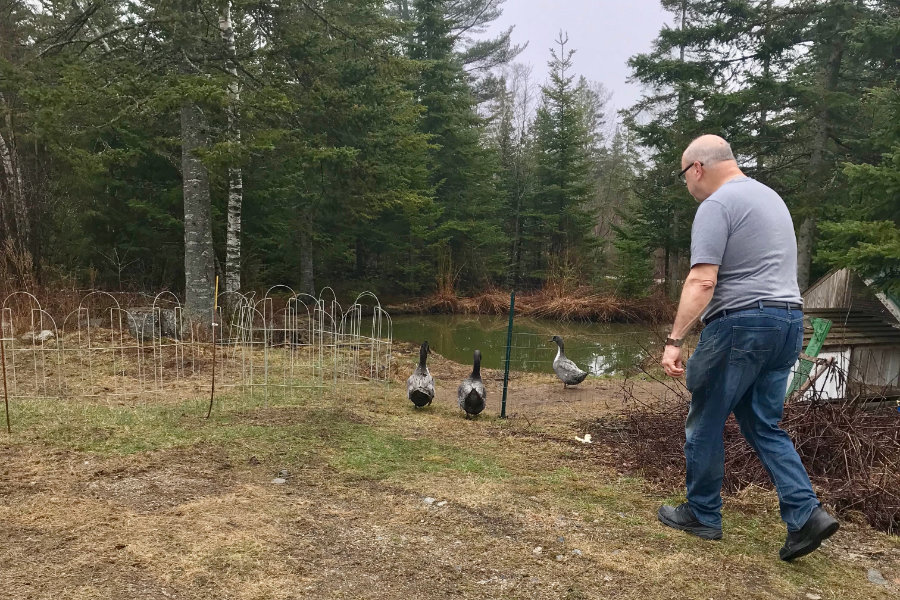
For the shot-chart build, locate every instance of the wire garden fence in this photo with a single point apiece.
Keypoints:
(111, 346)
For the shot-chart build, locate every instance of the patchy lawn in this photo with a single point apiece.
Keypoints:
(381, 500)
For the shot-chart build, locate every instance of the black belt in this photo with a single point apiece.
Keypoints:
(754, 306)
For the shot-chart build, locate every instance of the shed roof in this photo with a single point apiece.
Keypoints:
(845, 289)
(853, 328)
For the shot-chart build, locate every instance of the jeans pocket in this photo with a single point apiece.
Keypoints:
(694, 372)
(793, 346)
(752, 344)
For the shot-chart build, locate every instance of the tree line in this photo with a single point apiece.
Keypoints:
(390, 145)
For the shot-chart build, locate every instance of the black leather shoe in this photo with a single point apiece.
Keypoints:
(682, 517)
(818, 527)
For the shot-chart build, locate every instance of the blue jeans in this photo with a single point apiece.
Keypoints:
(741, 365)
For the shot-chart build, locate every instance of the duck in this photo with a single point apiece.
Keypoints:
(471, 393)
(420, 385)
(567, 371)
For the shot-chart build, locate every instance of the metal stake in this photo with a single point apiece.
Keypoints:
(5, 392)
(212, 391)
(512, 310)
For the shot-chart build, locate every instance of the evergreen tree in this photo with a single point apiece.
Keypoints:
(516, 163)
(864, 232)
(560, 211)
(468, 235)
(467, 21)
(773, 79)
(619, 169)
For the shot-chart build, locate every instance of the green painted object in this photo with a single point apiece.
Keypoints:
(821, 327)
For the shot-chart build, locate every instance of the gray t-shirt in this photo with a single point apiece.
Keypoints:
(746, 229)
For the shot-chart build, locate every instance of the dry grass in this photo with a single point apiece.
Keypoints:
(552, 302)
(155, 502)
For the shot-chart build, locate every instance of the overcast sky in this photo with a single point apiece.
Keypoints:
(604, 33)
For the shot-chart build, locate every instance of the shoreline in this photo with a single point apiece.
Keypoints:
(582, 304)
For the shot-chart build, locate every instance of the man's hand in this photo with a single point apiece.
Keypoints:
(671, 362)
(695, 296)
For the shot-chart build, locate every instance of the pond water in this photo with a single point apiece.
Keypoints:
(601, 349)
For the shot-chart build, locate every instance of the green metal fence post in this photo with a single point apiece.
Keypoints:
(821, 327)
(512, 310)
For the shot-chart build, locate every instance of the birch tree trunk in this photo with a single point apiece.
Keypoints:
(7, 189)
(15, 184)
(235, 176)
(198, 245)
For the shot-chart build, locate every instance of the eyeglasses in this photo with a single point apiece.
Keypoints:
(681, 174)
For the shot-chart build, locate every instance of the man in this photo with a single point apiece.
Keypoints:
(743, 281)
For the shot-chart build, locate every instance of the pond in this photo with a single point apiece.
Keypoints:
(600, 348)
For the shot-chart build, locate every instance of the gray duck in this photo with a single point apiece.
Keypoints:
(420, 385)
(471, 393)
(567, 371)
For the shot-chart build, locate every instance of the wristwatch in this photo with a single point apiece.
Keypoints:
(674, 342)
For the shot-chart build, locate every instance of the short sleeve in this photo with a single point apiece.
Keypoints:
(709, 234)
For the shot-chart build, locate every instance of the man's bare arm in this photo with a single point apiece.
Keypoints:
(695, 296)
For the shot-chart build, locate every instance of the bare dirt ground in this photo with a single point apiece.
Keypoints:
(356, 494)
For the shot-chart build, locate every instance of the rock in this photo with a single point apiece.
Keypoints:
(146, 323)
(41, 337)
(537, 550)
(442, 503)
(85, 321)
(429, 500)
(814, 597)
(585, 440)
(560, 558)
(876, 577)
(561, 540)
(279, 481)
(576, 552)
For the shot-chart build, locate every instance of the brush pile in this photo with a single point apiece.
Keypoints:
(852, 453)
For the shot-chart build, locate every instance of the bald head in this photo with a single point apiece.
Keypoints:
(708, 163)
(707, 149)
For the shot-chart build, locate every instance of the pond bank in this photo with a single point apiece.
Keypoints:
(581, 304)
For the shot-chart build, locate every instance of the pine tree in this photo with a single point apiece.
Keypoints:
(560, 210)
(864, 232)
(513, 144)
(468, 236)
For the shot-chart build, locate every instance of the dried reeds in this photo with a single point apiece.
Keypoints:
(579, 304)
